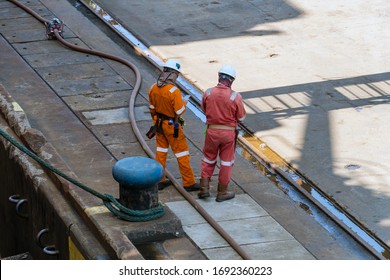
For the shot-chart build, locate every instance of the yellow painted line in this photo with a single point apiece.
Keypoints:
(17, 107)
(74, 252)
(96, 210)
(265, 153)
(262, 148)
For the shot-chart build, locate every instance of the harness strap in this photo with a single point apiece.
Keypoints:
(160, 118)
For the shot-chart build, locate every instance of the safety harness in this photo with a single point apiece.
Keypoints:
(175, 121)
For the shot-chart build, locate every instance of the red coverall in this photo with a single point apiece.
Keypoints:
(167, 100)
(224, 109)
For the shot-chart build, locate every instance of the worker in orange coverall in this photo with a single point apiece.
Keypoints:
(166, 105)
(224, 109)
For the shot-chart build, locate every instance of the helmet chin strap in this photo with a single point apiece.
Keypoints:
(225, 82)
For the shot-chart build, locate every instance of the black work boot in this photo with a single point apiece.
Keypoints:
(204, 188)
(192, 188)
(223, 193)
(162, 185)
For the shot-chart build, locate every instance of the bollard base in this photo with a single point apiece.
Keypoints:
(138, 199)
(167, 227)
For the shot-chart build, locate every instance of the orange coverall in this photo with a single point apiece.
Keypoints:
(167, 100)
(223, 107)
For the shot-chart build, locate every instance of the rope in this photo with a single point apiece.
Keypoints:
(108, 200)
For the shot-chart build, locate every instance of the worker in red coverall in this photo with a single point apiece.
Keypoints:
(166, 105)
(224, 109)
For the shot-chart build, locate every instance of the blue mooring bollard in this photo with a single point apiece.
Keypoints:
(138, 178)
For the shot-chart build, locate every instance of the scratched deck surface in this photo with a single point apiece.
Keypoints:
(83, 114)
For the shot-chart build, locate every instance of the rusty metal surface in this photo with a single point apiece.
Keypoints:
(78, 148)
(314, 122)
(321, 102)
(48, 109)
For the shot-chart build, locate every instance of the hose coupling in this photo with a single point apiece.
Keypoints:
(53, 26)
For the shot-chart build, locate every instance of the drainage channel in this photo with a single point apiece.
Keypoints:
(268, 162)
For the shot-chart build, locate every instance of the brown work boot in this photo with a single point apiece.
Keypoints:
(223, 193)
(204, 188)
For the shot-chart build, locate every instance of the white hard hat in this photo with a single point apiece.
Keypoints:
(173, 64)
(228, 70)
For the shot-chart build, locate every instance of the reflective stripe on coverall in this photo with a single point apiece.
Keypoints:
(219, 141)
(167, 100)
(224, 107)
